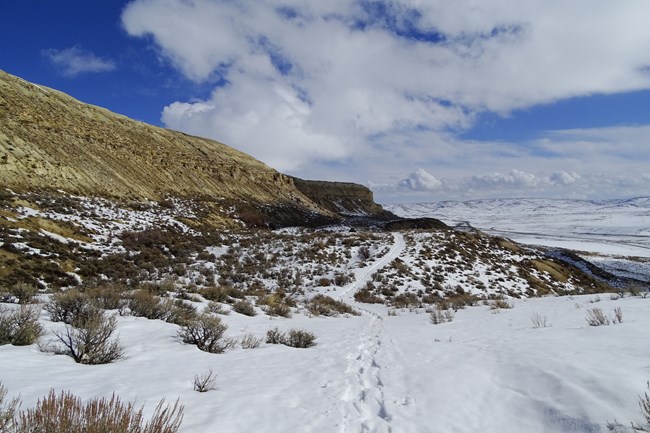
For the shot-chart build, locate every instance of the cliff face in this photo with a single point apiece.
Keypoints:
(51, 141)
(346, 199)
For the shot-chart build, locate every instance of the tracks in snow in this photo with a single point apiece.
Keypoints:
(364, 408)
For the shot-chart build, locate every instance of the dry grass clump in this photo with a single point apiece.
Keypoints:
(539, 321)
(249, 341)
(440, 315)
(500, 303)
(20, 327)
(596, 317)
(321, 305)
(66, 413)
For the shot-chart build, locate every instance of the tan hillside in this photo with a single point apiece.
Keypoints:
(50, 141)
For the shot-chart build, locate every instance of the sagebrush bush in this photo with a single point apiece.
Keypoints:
(279, 309)
(66, 413)
(321, 305)
(244, 307)
(24, 292)
(249, 341)
(216, 308)
(179, 312)
(68, 306)
(275, 336)
(20, 327)
(90, 341)
(367, 297)
(143, 303)
(300, 338)
(207, 333)
(107, 296)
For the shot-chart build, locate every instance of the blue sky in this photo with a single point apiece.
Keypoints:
(421, 101)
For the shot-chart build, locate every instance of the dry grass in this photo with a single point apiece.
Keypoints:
(66, 413)
(596, 317)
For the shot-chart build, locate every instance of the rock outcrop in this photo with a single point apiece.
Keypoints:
(346, 199)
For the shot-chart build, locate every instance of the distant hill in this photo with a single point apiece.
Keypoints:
(50, 141)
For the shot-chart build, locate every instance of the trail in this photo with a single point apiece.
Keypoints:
(363, 398)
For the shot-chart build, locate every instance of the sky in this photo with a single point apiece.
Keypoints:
(420, 100)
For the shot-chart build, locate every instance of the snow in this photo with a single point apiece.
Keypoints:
(597, 226)
(600, 231)
(486, 371)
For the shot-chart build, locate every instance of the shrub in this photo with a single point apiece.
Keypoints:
(500, 303)
(300, 338)
(144, 304)
(179, 312)
(438, 316)
(65, 413)
(364, 253)
(206, 382)
(596, 317)
(644, 404)
(244, 307)
(280, 309)
(539, 321)
(7, 411)
(367, 297)
(89, 341)
(250, 342)
(207, 333)
(107, 297)
(275, 336)
(20, 327)
(216, 308)
(24, 292)
(321, 305)
(68, 306)
(618, 315)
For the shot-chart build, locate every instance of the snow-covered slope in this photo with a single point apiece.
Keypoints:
(604, 230)
(488, 370)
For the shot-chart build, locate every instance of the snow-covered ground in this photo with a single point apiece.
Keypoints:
(382, 371)
(604, 231)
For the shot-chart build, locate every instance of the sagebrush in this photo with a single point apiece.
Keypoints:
(66, 413)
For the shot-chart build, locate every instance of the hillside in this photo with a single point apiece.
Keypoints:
(50, 141)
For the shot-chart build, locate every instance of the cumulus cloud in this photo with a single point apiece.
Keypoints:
(388, 84)
(564, 178)
(75, 61)
(420, 180)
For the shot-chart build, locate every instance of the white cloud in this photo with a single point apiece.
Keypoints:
(75, 61)
(420, 180)
(312, 83)
(564, 178)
